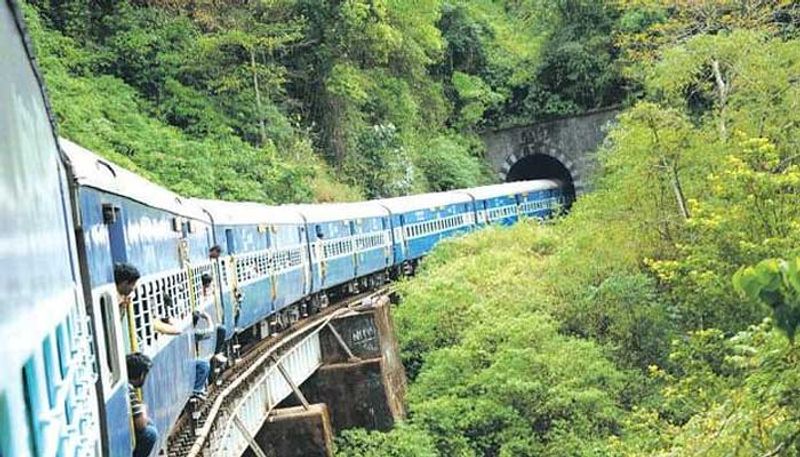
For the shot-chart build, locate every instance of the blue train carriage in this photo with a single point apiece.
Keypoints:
(420, 221)
(48, 405)
(539, 199)
(125, 218)
(263, 270)
(495, 204)
(505, 204)
(350, 246)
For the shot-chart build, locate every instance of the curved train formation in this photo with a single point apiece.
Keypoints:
(69, 216)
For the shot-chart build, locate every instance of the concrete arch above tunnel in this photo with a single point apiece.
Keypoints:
(543, 166)
(561, 148)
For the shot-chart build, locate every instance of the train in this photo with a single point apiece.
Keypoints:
(70, 216)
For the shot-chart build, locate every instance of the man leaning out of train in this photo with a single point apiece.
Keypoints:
(146, 433)
(125, 278)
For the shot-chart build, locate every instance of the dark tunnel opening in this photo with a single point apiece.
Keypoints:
(541, 166)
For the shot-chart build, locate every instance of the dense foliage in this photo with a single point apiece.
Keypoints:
(646, 322)
(290, 100)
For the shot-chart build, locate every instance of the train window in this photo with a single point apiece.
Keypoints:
(110, 327)
(63, 348)
(49, 370)
(5, 424)
(31, 390)
(229, 241)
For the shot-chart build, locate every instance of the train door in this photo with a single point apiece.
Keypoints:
(231, 273)
(403, 240)
(386, 231)
(113, 323)
(304, 261)
(275, 262)
(319, 254)
(355, 234)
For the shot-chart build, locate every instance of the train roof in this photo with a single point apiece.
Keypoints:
(423, 201)
(511, 188)
(325, 212)
(94, 171)
(245, 213)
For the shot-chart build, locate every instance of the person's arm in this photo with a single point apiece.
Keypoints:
(164, 328)
(138, 410)
(141, 420)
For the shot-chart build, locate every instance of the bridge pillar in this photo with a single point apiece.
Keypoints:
(362, 380)
(296, 432)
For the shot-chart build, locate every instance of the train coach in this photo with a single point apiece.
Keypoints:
(123, 218)
(263, 266)
(421, 221)
(505, 204)
(350, 246)
(48, 402)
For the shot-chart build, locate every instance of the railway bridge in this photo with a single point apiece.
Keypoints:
(563, 149)
(289, 395)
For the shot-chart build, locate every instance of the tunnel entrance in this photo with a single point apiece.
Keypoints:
(541, 166)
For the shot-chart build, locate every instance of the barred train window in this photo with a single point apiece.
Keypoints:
(32, 407)
(49, 370)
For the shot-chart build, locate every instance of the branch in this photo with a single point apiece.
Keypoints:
(722, 89)
(780, 447)
(784, 163)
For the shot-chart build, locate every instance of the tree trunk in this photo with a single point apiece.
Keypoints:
(262, 129)
(676, 187)
(722, 92)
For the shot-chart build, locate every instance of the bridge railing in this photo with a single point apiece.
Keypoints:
(279, 381)
(243, 407)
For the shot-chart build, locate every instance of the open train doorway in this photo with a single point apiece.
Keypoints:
(542, 166)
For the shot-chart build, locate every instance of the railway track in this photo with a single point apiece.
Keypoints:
(192, 432)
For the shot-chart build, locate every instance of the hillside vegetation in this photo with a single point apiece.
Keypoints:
(629, 327)
(297, 100)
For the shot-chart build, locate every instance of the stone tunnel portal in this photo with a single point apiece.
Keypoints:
(542, 166)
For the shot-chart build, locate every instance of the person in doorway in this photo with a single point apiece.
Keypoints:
(146, 433)
(202, 367)
(219, 330)
(125, 278)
